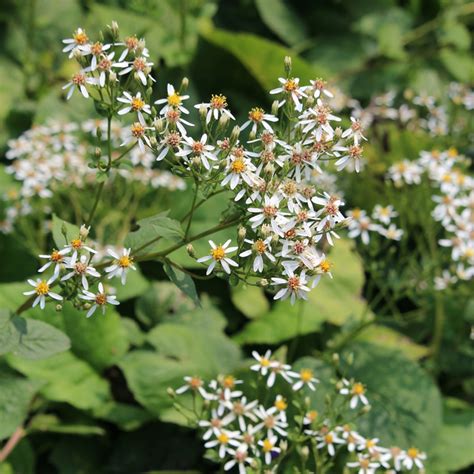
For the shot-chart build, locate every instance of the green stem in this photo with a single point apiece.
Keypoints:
(191, 212)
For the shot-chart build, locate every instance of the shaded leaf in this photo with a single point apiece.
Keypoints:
(183, 281)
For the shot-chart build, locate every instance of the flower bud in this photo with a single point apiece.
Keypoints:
(275, 238)
(310, 101)
(141, 46)
(235, 133)
(287, 64)
(190, 250)
(203, 112)
(153, 141)
(283, 445)
(263, 282)
(307, 401)
(184, 84)
(112, 76)
(84, 231)
(196, 161)
(76, 54)
(242, 232)
(86, 306)
(266, 230)
(97, 152)
(339, 385)
(275, 107)
(269, 168)
(335, 358)
(59, 308)
(338, 132)
(98, 133)
(158, 124)
(304, 452)
(114, 28)
(223, 122)
(171, 392)
(366, 408)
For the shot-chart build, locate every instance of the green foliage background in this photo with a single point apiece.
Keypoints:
(92, 393)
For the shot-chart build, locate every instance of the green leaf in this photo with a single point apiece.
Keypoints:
(22, 458)
(66, 379)
(283, 20)
(11, 89)
(135, 286)
(250, 300)
(100, 340)
(47, 423)
(211, 350)
(262, 58)
(454, 449)
(149, 375)
(406, 404)
(183, 281)
(72, 231)
(16, 393)
(30, 338)
(126, 417)
(333, 300)
(453, 33)
(15, 250)
(386, 337)
(459, 63)
(151, 228)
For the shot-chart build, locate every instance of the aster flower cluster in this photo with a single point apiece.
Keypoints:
(452, 193)
(381, 222)
(74, 270)
(45, 157)
(418, 111)
(260, 433)
(267, 165)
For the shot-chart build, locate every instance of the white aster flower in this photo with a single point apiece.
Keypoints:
(356, 392)
(56, 258)
(257, 116)
(122, 264)
(295, 286)
(82, 269)
(414, 457)
(218, 255)
(42, 289)
(224, 440)
(269, 446)
(329, 440)
(135, 104)
(364, 464)
(240, 457)
(78, 81)
(173, 101)
(291, 88)
(260, 248)
(199, 149)
(100, 299)
(195, 384)
(306, 378)
(216, 107)
(79, 39)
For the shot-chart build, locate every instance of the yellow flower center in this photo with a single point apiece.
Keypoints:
(80, 37)
(218, 253)
(218, 101)
(267, 446)
(76, 243)
(364, 463)
(329, 438)
(294, 283)
(195, 383)
(137, 103)
(256, 114)
(325, 266)
(452, 152)
(306, 375)
(238, 166)
(131, 42)
(229, 381)
(124, 261)
(137, 130)
(290, 85)
(101, 299)
(42, 288)
(412, 453)
(174, 99)
(370, 444)
(312, 415)
(96, 48)
(264, 362)
(223, 438)
(358, 389)
(281, 404)
(260, 246)
(56, 256)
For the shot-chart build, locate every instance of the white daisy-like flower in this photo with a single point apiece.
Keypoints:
(75, 246)
(270, 214)
(364, 464)
(173, 101)
(310, 417)
(257, 117)
(269, 446)
(371, 446)
(78, 81)
(133, 45)
(352, 438)
(356, 392)
(392, 232)
(306, 378)
(134, 104)
(100, 299)
(240, 409)
(330, 210)
(384, 214)
(271, 421)
(195, 384)
(224, 440)
(240, 457)
(239, 169)
(279, 368)
(82, 269)
(56, 258)
(174, 119)
(328, 441)
(97, 50)
(350, 154)
(218, 255)
(362, 227)
(105, 67)
(216, 107)
(264, 362)
(318, 87)
(355, 131)
(280, 406)
(414, 457)
(170, 141)
(122, 264)
(295, 286)
(198, 148)
(79, 39)
(42, 289)
(292, 88)
(260, 248)
(317, 120)
(141, 67)
(137, 132)
(214, 425)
